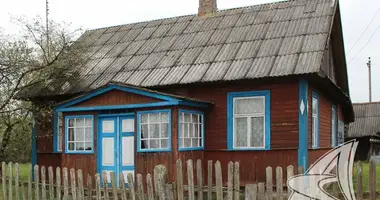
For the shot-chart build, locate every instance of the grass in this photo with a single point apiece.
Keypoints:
(365, 175)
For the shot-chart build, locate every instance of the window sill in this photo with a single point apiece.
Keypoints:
(191, 149)
(78, 152)
(249, 149)
(153, 150)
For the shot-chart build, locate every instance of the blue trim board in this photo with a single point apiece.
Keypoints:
(117, 115)
(55, 133)
(316, 96)
(334, 134)
(67, 135)
(303, 124)
(230, 100)
(179, 130)
(169, 149)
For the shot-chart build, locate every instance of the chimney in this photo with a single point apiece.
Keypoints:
(207, 7)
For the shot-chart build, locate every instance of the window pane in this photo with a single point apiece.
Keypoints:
(164, 143)
(315, 105)
(165, 117)
(79, 134)
(257, 132)
(187, 117)
(196, 130)
(154, 131)
(71, 134)
(195, 142)
(164, 130)
(144, 144)
(240, 127)
(144, 131)
(187, 142)
(88, 137)
(181, 141)
(195, 118)
(191, 130)
(144, 118)
(88, 122)
(88, 146)
(79, 122)
(71, 146)
(79, 146)
(154, 144)
(249, 106)
(185, 130)
(71, 122)
(154, 118)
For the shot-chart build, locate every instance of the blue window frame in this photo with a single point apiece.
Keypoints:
(190, 130)
(334, 126)
(248, 120)
(58, 132)
(154, 131)
(79, 134)
(315, 121)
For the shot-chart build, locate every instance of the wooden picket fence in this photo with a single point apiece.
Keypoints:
(157, 187)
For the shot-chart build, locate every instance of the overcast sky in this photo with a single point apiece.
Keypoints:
(89, 14)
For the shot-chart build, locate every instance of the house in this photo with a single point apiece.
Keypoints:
(265, 85)
(366, 130)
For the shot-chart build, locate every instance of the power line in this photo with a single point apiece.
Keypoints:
(364, 31)
(365, 44)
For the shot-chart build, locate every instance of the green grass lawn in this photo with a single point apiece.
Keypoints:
(365, 175)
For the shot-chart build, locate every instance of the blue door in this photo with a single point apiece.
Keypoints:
(116, 145)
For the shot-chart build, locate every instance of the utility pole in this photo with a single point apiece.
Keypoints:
(369, 78)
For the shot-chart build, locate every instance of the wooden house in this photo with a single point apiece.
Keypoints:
(366, 130)
(265, 85)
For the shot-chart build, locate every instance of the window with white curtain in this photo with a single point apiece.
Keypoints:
(249, 120)
(79, 134)
(315, 121)
(154, 130)
(190, 130)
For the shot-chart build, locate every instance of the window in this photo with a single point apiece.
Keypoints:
(79, 134)
(249, 120)
(340, 138)
(191, 130)
(154, 130)
(334, 126)
(59, 131)
(315, 121)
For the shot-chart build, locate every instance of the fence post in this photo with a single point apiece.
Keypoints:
(10, 171)
(98, 188)
(140, 188)
(131, 186)
(65, 184)
(149, 187)
(209, 180)
(17, 181)
(105, 185)
(80, 185)
(73, 185)
(372, 179)
(30, 194)
(279, 185)
(161, 187)
(289, 174)
(218, 181)
(43, 180)
(51, 182)
(269, 180)
(261, 193)
(190, 179)
(37, 181)
(359, 181)
(58, 182)
(179, 179)
(250, 192)
(200, 179)
(122, 186)
(114, 185)
(169, 191)
(4, 179)
(89, 186)
(230, 180)
(237, 181)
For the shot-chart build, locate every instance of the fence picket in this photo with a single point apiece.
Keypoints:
(209, 180)
(114, 185)
(131, 186)
(98, 188)
(289, 174)
(149, 187)
(218, 181)
(169, 191)
(261, 191)
(65, 184)
(43, 181)
(58, 182)
(359, 181)
(105, 185)
(190, 179)
(279, 185)
(23, 193)
(161, 187)
(230, 180)
(17, 181)
(269, 182)
(51, 182)
(10, 171)
(179, 179)
(80, 184)
(89, 187)
(4, 179)
(73, 184)
(236, 181)
(140, 188)
(250, 192)
(36, 182)
(30, 195)
(200, 179)
(122, 186)
(372, 179)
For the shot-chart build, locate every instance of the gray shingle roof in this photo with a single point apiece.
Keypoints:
(268, 40)
(367, 120)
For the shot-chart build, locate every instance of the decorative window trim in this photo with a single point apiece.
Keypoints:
(315, 145)
(169, 149)
(180, 111)
(58, 147)
(67, 134)
(230, 118)
(334, 123)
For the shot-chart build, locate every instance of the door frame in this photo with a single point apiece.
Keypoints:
(99, 137)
